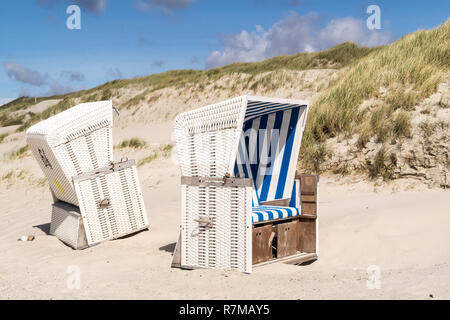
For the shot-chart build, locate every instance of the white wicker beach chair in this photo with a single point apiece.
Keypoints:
(241, 196)
(72, 142)
(95, 199)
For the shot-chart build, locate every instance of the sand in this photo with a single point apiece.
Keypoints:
(404, 233)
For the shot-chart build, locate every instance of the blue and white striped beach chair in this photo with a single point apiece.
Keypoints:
(241, 199)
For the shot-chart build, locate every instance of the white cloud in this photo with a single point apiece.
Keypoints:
(94, 6)
(72, 76)
(34, 78)
(291, 35)
(25, 75)
(350, 29)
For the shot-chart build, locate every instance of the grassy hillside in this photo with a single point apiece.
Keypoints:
(336, 57)
(397, 77)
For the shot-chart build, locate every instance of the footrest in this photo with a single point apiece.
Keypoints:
(111, 202)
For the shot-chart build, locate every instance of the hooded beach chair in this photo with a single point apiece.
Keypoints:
(243, 203)
(95, 199)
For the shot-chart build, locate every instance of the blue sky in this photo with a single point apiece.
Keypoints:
(39, 55)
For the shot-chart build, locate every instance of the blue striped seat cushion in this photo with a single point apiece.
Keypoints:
(269, 213)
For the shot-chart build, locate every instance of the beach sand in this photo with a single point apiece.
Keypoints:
(401, 229)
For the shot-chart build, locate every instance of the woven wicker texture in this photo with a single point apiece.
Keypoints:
(226, 243)
(65, 223)
(206, 138)
(75, 141)
(125, 212)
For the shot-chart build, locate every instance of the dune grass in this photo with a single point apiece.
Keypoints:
(22, 103)
(164, 150)
(428, 128)
(147, 159)
(136, 99)
(64, 104)
(133, 143)
(3, 136)
(41, 182)
(6, 120)
(8, 175)
(382, 165)
(13, 176)
(409, 70)
(18, 154)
